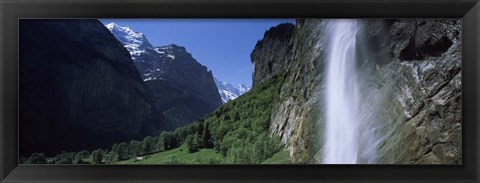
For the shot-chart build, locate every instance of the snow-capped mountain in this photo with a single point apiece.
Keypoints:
(161, 62)
(183, 88)
(135, 42)
(167, 62)
(229, 92)
(152, 62)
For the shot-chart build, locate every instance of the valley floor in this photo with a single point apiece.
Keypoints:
(181, 155)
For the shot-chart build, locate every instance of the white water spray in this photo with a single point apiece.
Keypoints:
(342, 95)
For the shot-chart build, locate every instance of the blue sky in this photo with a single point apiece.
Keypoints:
(223, 45)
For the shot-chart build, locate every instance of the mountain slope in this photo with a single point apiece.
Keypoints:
(79, 89)
(184, 88)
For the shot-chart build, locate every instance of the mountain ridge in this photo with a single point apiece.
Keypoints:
(138, 44)
(184, 88)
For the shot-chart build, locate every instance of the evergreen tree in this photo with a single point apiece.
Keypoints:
(169, 141)
(37, 158)
(135, 148)
(237, 116)
(206, 137)
(200, 127)
(97, 156)
(111, 156)
(160, 144)
(191, 144)
(122, 151)
(148, 145)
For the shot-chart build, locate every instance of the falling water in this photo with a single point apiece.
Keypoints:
(342, 96)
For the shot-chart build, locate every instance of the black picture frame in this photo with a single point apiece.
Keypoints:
(11, 11)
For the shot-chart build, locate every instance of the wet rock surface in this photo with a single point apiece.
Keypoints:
(410, 73)
(424, 125)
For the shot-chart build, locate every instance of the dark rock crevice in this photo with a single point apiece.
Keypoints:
(429, 48)
(427, 40)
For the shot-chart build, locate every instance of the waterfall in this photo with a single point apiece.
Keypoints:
(342, 95)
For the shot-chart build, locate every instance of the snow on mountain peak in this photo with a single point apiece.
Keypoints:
(135, 42)
(228, 91)
(110, 26)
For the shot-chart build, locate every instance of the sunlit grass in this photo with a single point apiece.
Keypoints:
(181, 153)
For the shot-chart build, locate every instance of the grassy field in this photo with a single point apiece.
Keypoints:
(281, 157)
(180, 153)
(201, 157)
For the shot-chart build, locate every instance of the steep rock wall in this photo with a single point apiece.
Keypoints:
(269, 57)
(419, 111)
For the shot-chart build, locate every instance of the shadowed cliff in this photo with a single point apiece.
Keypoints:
(79, 89)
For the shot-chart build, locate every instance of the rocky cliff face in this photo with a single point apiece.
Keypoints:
(297, 118)
(269, 57)
(79, 89)
(420, 87)
(410, 73)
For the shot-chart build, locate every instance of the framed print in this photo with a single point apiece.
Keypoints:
(239, 91)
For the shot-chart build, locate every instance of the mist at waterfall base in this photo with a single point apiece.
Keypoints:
(348, 137)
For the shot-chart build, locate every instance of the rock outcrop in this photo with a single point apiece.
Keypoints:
(79, 89)
(410, 74)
